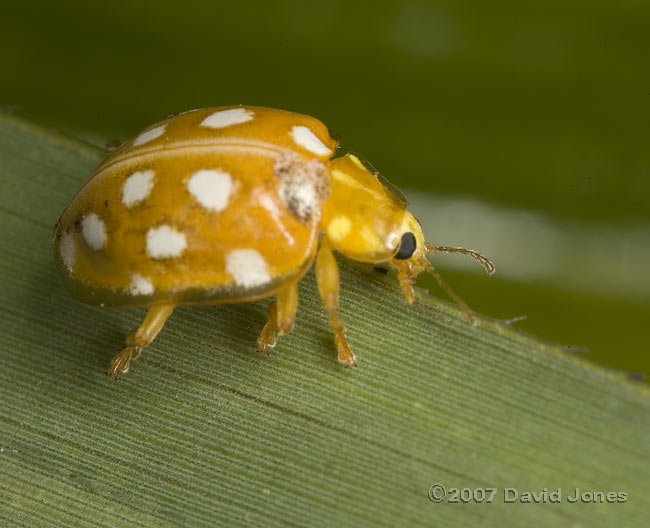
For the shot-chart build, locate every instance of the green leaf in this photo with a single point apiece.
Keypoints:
(205, 431)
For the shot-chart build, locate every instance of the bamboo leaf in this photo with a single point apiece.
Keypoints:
(204, 431)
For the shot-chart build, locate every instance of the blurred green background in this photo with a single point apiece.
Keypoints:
(520, 129)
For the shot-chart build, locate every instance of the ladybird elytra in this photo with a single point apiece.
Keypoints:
(224, 205)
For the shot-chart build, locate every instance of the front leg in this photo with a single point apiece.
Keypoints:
(282, 314)
(327, 277)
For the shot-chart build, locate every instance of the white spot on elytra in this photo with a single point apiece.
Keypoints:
(211, 188)
(308, 140)
(247, 267)
(165, 242)
(93, 230)
(225, 118)
(140, 285)
(68, 250)
(149, 135)
(303, 187)
(300, 195)
(137, 187)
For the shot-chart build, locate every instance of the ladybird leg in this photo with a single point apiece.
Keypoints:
(267, 337)
(282, 314)
(327, 277)
(141, 337)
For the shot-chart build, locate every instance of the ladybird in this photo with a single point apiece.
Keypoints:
(233, 204)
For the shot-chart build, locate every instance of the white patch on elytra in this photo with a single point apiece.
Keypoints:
(68, 250)
(304, 137)
(140, 285)
(302, 186)
(302, 196)
(225, 118)
(165, 242)
(149, 135)
(137, 187)
(247, 267)
(211, 188)
(93, 230)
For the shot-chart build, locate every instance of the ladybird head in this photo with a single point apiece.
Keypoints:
(411, 259)
(365, 218)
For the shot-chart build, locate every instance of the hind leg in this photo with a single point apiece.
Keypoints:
(282, 314)
(141, 337)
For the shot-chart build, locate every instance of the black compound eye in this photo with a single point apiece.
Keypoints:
(406, 246)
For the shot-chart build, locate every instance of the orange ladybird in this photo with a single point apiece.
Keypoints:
(225, 205)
